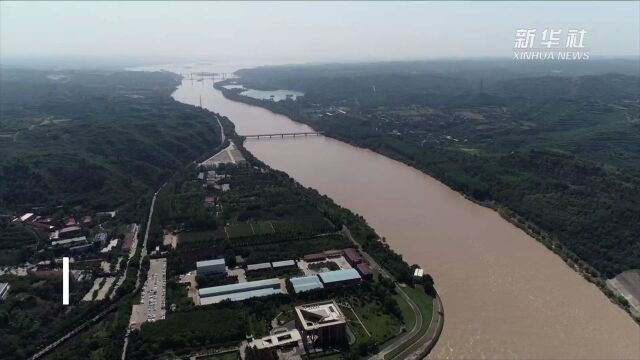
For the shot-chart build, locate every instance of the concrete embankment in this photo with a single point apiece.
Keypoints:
(428, 341)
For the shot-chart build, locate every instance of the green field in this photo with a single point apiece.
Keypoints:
(197, 236)
(263, 227)
(239, 230)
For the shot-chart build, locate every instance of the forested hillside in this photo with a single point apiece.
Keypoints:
(98, 140)
(555, 148)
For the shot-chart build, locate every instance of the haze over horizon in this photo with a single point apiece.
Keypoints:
(144, 32)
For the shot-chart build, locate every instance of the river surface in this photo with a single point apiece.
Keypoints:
(505, 295)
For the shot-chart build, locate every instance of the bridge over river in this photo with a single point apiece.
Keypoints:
(282, 135)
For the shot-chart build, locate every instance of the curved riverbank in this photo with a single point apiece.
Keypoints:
(507, 296)
(423, 346)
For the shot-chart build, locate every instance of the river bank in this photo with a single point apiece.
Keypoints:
(570, 258)
(506, 294)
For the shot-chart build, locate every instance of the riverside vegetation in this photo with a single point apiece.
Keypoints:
(95, 141)
(554, 148)
(83, 142)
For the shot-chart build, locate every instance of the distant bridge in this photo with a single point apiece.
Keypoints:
(282, 135)
(208, 74)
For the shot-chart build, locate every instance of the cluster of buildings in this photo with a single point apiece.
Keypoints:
(320, 325)
(68, 225)
(350, 254)
(327, 279)
(66, 233)
(354, 275)
(234, 292)
(215, 181)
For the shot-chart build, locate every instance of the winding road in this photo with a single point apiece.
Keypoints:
(408, 336)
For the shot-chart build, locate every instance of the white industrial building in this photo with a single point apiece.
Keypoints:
(4, 290)
(418, 274)
(215, 266)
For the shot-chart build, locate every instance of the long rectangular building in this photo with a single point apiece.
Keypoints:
(352, 256)
(214, 266)
(283, 264)
(340, 277)
(260, 266)
(365, 271)
(70, 242)
(240, 291)
(306, 283)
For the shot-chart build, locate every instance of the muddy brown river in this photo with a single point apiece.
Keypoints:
(505, 295)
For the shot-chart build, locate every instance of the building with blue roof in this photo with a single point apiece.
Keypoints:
(340, 277)
(240, 291)
(306, 283)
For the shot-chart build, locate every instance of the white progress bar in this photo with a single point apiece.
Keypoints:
(65, 281)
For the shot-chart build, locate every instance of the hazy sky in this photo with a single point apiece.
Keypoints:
(289, 31)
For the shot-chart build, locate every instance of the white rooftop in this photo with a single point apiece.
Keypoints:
(276, 340)
(320, 314)
(210, 262)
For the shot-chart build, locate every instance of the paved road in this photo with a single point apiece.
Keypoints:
(399, 341)
(425, 344)
(146, 237)
(143, 253)
(113, 306)
(222, 138)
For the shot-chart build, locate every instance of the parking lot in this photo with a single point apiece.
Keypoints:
(152, 305)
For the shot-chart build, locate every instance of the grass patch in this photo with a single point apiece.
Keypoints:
(197, 236)
(263, 227)
(239, 230)
(227, 356)
(324, 265)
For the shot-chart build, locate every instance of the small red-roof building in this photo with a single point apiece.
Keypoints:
(128, 241)
(69, 221)
(365, 271)
(69, 231)
(332, 253)
(55, 272)
(315, 257)
(39, 225)
(86, 220)
(209, 201)
(352, 256)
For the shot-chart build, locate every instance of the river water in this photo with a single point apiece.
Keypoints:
(505, 295)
